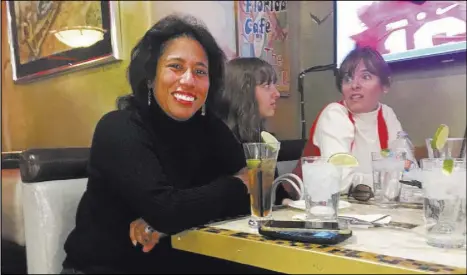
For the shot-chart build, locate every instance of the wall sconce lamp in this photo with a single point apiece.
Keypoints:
(79, 36)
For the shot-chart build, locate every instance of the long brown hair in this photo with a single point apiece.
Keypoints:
(236, 105)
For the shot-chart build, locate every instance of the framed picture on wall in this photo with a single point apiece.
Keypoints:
(53, 37)
(262, 31)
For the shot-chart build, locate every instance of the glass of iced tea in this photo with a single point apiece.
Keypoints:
(261, 162)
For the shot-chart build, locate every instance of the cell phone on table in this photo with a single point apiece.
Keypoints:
(306, 231)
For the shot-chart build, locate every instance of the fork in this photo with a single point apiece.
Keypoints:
(356, 221)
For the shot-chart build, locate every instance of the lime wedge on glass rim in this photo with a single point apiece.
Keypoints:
(440, 137)
(270, 140)
(343, 159)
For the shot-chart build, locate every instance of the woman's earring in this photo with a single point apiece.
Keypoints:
(149, 92)
(203, 110)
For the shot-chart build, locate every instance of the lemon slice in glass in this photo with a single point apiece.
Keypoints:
(253, 163)
(269, 139)
(448, 166)
(343, 159)
(440, 137)
(385, 152)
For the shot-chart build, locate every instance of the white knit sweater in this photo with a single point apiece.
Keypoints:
(335, 132)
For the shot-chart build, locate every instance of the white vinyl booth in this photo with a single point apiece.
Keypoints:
(53, 182)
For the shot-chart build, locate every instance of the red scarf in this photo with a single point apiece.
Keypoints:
(312, 150)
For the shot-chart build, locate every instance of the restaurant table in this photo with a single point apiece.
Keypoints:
(394, 249)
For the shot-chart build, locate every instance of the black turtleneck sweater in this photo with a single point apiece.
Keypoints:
(143, 164)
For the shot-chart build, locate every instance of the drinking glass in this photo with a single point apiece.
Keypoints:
(321, 181)
(444, 203)
(453, 148)
(261, 162)
(388, 169)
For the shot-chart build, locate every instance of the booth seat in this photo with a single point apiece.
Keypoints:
(53, 182)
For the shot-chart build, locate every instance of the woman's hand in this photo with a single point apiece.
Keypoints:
(141, 232)
(243, 175)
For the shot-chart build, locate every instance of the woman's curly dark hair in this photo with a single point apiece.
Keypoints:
(146, 53)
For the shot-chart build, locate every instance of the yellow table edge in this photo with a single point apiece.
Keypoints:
(285, 257)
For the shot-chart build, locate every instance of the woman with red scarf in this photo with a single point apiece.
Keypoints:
(358, 124)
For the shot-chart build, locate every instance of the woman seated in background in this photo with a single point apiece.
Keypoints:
(247, 100)
(163, 159)
(359, 124)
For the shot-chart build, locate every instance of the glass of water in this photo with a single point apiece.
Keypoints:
(321, 181)
(444, 203)
(388, 169)
(453, 148)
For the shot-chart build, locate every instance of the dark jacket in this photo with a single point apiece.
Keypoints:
(143, 164)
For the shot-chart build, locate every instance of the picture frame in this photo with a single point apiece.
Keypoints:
(38, 30)
(262, 31)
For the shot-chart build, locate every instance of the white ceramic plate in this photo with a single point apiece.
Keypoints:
(301, 204)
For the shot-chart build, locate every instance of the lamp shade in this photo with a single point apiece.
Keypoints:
(79, 36)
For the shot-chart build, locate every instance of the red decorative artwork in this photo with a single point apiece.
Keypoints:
(397, 27)
(379, 14)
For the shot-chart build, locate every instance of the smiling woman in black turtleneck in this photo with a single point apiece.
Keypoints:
(165, 158)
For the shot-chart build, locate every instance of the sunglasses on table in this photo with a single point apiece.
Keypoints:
(362, 192)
